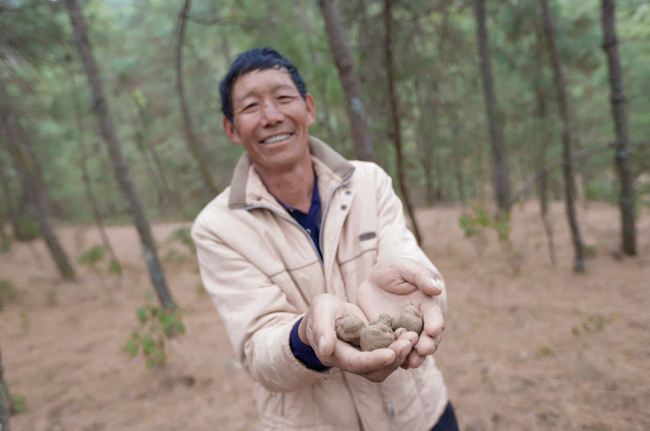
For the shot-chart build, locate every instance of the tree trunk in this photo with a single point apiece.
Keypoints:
(85, 178)
(349, 80)
(425, 140)
(196, 147)
(542, 182)
(394, 113)
(141, 138)
(121, 169)
(28, 168)
(569, 182)
(372, 76)
(7, 197)
(5, 400)
(143, 115)
(621, 157)
(321, 84)
(500, 173)
(458, 169)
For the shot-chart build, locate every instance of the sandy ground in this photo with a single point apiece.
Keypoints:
(528, 345)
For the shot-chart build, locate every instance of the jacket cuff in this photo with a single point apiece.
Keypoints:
(304, 352)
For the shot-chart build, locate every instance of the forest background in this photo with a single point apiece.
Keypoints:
(499, 115)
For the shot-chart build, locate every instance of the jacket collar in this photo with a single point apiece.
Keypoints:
(246, 182)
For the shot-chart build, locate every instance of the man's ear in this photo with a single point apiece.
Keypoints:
(311, 108)
(231, 131)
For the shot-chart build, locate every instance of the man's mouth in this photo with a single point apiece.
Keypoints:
(277, 138)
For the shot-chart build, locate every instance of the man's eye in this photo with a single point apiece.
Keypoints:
(249, 107)
(285, 98)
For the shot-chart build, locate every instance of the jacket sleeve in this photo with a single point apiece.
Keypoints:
(257, 314)
(395, 240)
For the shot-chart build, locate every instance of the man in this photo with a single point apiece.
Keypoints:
(301, 238)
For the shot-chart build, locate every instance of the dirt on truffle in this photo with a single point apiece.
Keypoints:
(527, 345)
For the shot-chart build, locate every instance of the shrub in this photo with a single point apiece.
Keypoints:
(93, 255)
(155, 326)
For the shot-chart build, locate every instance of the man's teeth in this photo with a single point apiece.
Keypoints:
(277, 138)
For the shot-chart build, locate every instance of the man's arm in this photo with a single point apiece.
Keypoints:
(259, 320)
(256, 312)
(396, 247)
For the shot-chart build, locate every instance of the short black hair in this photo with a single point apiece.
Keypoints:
(249, 61)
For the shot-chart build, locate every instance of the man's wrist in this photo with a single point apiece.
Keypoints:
(303, 351)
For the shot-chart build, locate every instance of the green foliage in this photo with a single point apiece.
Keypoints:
(545, 351)
(175, 256)
(96, 254)
(183, 236)
(602, 189)
(18, 404)
(5, 241)
(476, 223)
(92, 256)
(26, 229)
(442, 107)
(8, 293)
(114, 267)
(593, 323)
(155, 325)
(591, 250)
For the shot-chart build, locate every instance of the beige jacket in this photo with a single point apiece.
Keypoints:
(261, 270)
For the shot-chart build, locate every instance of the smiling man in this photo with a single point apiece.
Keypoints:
(301, 238)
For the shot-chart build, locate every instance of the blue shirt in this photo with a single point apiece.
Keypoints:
(310, 222)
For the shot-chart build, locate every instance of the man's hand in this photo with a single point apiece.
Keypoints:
(317, 329)
(392, 285)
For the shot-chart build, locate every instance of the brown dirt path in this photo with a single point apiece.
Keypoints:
(537, 349)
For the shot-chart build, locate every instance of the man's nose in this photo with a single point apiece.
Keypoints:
(271, 114)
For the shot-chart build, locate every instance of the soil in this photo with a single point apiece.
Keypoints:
(528, 345)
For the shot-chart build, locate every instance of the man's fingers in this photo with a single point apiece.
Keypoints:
(354, 361)
(414, 360)
(425, 346)
(418, 275)
(409, 336)
(434, 320)
(321, 324)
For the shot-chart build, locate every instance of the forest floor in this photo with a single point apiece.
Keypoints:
(528, 345)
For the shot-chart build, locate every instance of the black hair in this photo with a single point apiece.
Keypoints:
(249, 61)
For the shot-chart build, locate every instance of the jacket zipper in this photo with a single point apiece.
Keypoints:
(295, 223)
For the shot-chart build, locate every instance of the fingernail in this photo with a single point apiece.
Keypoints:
(321, 343)
(436, 283)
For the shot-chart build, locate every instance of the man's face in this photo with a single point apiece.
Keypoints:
(271, 120)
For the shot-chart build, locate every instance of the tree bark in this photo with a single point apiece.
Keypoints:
(321, 84)
(85, 177)
(5, 400)
(542, 182)
(426, 141)
(349, 79)
(500, 172)
(7, 197)
(114, 146)
(394, 114)
(141, 138)
(458, 169)
(621, 157)
(569, 181)
(196, 147)
(27, 166)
